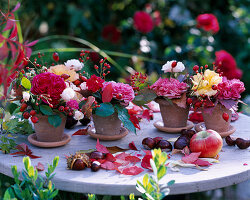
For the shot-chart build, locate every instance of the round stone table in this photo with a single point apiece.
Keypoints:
(234, 166)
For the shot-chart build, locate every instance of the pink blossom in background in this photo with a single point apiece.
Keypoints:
(125, 90)
(73, 104)
(143, 22)
(208, 22)
(171, 88)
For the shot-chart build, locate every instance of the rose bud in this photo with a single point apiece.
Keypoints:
(148, 143)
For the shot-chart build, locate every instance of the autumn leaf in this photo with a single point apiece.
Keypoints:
(24, 151)
(132, 159)
(108, 165)
(101, 148)
(181, 102)
(116, 149)
(132, 146)
(145, 163)
(87, 107)
(201, 163)
(107, 93)
(134, 170)
(110, 157)
(191, 158)
(39, 167)
(83, 131)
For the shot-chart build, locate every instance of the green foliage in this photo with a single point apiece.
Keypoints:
(124, 117)
(150, 187)
(26, 83)
(105, 110)
(7, 143)
(46, 110)
(144, 97)
(55, 120)
(33, 186)
(16, 125)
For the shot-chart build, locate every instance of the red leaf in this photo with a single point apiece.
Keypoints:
(135, 121)
(101, 148)
(108, 165)
(145, 163)
(147, 114)
(13, 50)
(201, 162)
(191, 158)
(132, 159)
(22, 147)
(107, 93)
(148, 152)
(134, 170)
(110, 157)
(39, 167)
(13, 33)
(132, 146)
(153, 106)
(83, 131)
(122, 156)
(31, 43)
(4, 51)
(33, 156)
(19, 57)
(24, 150)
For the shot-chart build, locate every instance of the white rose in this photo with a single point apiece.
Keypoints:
(83, 86)
(68, 94)
(74, 64)
(78, 115)
(168, 67)
(26, 96)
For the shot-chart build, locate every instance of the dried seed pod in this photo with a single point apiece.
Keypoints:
(95, 166)
(78, 161)
(164, 145)
(148, 143)
(230, 141)
(242, 144)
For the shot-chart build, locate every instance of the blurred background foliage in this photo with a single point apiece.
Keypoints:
(108, 24)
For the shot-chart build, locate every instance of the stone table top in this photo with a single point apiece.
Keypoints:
(234, 166)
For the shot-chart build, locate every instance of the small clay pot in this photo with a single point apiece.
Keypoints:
(215, 121)
(173, 116)
(110, 125)
(45, 132)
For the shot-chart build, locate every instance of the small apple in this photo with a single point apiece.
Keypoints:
(208, 142)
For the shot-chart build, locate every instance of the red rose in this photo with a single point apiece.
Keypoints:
(48, 84)
(94, 83)
(111, 33)
(143, 22)
(157, 18)
(227, 64)
(208, 22)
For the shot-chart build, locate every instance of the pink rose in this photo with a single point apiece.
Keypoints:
(50, 85)
(143, 22)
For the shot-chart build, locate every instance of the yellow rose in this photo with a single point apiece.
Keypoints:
(62, 69)
(203, 83)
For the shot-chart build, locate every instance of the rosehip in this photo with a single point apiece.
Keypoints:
(65, 76)
(61, 108)
(173, 65)
(119, 96)
(66, 109)
(33, 112)
(198, 104)
(189, 101)
(55, 56)
(26, 115)
(96, 67)
(196, 68)
(23, 107)
(214, 87)
(77, 82)
(225, 116)
(34, 119)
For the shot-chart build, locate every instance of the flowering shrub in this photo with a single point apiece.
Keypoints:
(208, 22)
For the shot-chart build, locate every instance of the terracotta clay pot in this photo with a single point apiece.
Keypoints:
(215, 120)
(173, 116)
(110, 125)
(45, 132)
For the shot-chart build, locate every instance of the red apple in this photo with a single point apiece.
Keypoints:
(208, 142)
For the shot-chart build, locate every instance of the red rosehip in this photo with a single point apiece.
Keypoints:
(225, 116)
(55, 56)
(34, 119)
(23, 107)
(96, 67)
(119, 96)
(65, 76)
(198, 104)
(189, 101)
(61, 108)
(83, 78)
(196, 68)
(33, 112)
(214, 87)
(66, 109)
(77, 82)
(173, 65)
(26, 115)
(206, 66)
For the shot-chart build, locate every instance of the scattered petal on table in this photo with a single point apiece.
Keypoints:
(101, 148)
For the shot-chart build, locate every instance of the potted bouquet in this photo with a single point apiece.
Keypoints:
(172, 95)
(47, 96)
(106, 102)
(217, 97)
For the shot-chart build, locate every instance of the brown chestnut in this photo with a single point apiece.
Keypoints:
(78, 161)
(242, 144)
(148, 143)
(78, 165)
(230, 141)
(189, 133)
(181, 142)
(95, 166)
(164, 145)
(96, 155)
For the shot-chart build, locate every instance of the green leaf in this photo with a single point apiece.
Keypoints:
(124, 117)
(145, 96)
(171, 182)
(46, 110)
(161, 172)
(26, 83)
(105, 110)
(55, 161)
(55, 120)
(9, 194)
(12, 107)
(26, 162)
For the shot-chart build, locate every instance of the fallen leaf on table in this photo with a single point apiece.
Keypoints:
(211, 160)
(191, 158)
(83, 131)
(134, 170)
(115, 149)
(110, 157)
(132, 146)
(172, 139)
(24, 151)
(147, 114)
(108, 165)
(133, 159)
(145, 163)
(39, 167)
(86, 151)
(201, 163)
(101, 148)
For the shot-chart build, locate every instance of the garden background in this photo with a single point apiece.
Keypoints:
(111, 26)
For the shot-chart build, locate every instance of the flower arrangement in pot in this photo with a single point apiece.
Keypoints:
(47, 97)
(217, 97)
(172, 96)
(106, 102)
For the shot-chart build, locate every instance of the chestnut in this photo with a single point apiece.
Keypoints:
(96, 155)
(148, 143)
(189, 133)
(95, 166)
(78, 161)
(181, 142)
(78, 165)
(230, 141)
(164, 145)
(242, 144)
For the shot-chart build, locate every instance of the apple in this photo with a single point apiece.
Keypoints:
(208, 142)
